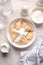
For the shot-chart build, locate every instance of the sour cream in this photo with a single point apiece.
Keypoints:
(37, 16)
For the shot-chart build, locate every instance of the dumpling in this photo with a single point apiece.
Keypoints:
(11, 30)
(28, 28)
(13, 36)
(29, 36)
(24, 40)
(18, 24)
(19, 42)
(24, 24)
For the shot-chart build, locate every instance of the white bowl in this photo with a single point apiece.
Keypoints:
(37, 15)
(5, 49)
(28, 44)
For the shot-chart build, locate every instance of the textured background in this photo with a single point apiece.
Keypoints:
(13, 57)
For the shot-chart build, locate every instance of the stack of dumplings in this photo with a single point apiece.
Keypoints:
(18, 24)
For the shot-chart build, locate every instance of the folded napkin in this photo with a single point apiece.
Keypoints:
(28, 57)
(34, 56)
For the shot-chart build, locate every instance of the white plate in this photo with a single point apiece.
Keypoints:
(28, 44)
(37, 15)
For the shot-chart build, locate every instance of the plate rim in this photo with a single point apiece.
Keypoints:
(27, 45)
(34, 9)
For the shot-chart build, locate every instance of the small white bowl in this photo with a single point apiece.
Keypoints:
(37, 15)
(5, 48)
(28, 44)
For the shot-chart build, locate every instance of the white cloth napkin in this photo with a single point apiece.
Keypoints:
(28, 57)
(34, 56)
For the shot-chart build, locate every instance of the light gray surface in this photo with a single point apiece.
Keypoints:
(10, 59)
(13, 57)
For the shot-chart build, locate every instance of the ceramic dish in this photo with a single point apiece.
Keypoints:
(4, 48)
(19, 38)
(37, 15)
